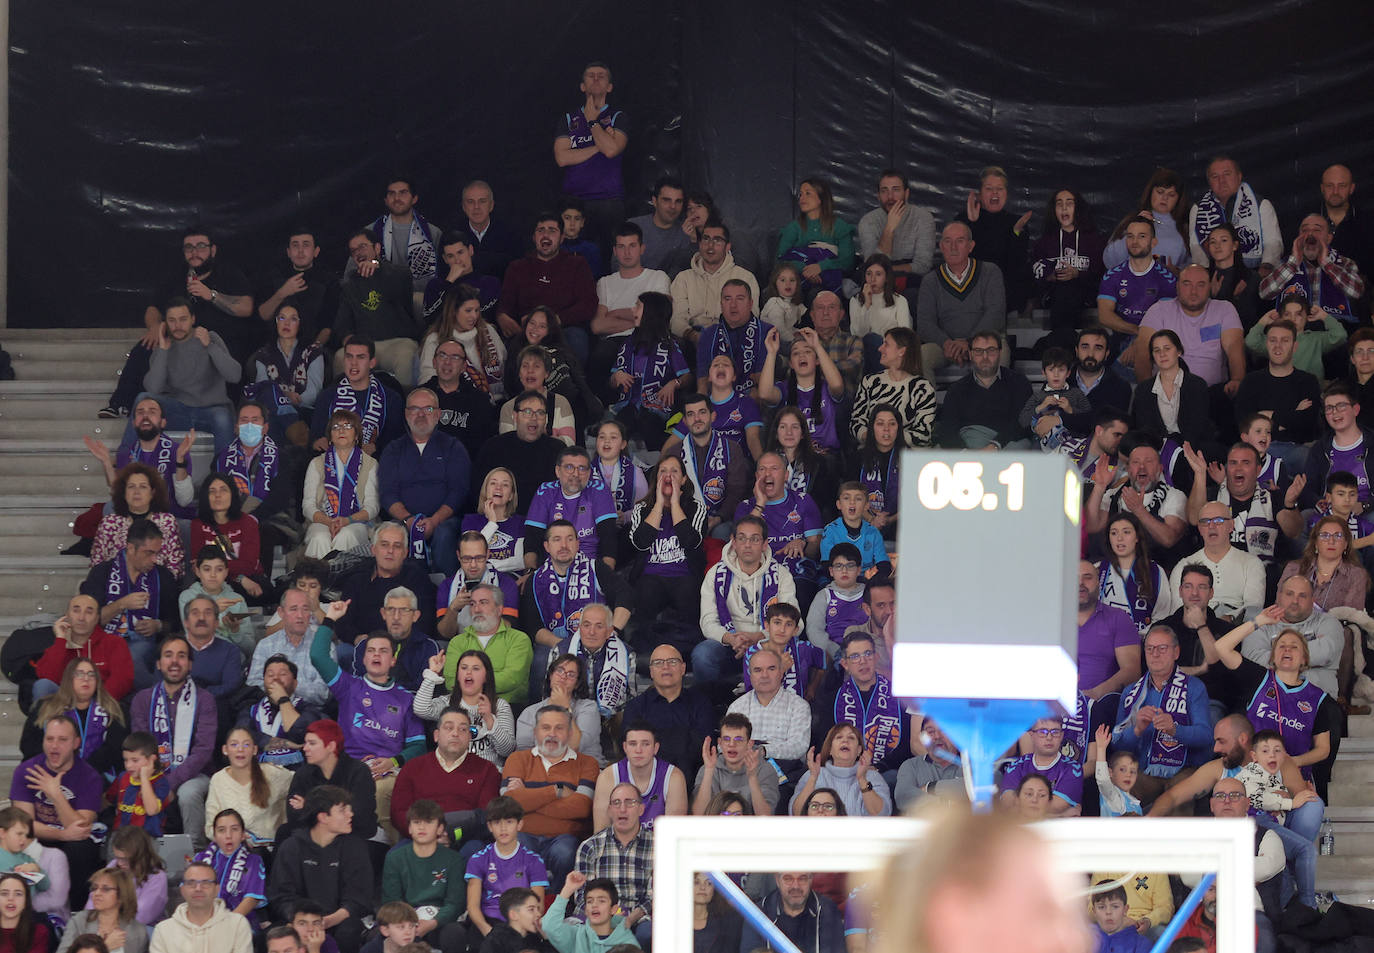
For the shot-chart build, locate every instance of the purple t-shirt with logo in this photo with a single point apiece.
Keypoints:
(82, 786)
(585, 511)
(792, 517)
(733, 416)
(377, 722)
(499, 874)
(1066, 777)
(666, 557)
(509, 532)
(1351, 460)
(1134, 294)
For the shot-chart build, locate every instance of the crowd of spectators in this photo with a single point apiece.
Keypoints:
(598, 527)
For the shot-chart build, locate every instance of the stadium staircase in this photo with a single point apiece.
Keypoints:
(47, 478)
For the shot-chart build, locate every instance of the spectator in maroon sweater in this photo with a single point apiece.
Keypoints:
(79, 635)
(552, 277)
(460, 783)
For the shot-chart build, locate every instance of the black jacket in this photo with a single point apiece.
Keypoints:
(339, 875)
(1194, 410)
(351, 775)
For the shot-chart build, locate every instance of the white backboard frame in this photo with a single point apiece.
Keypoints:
(686, 845)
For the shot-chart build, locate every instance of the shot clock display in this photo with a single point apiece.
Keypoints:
(987, 604)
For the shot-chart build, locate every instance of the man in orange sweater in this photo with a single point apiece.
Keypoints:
(554, 784)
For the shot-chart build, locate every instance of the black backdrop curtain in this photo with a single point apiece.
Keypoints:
(129, 123)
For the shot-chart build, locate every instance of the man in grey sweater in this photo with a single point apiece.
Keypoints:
(189, 374)
(957, 300)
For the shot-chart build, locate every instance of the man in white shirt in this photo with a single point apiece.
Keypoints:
(1237, 576)
(616, 296)
(781, 719)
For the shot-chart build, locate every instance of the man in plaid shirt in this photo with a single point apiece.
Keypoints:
(624, 853)
(1318, 272)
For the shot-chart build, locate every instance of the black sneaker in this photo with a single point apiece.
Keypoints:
(110, 412)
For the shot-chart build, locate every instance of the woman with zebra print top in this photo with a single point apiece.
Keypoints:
(900, 384)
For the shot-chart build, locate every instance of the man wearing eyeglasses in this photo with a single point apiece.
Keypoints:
(220, 299)
(458, 781)
(623, 851)
(202, 920)
(1065, 776)
(1163, 718)
(982, 409)
(529, 452)
(697, 291)
(681, 717)
(465, 412)
(1238, 579)
(423, 483)
(573, 497)
(400, 612)
(1345, 446)
(1256, 514)
(865, 700)
(1230, 800)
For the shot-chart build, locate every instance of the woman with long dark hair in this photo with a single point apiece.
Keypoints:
(1066, 260)
(20, 930)
(1174, 402)
(1165, 200)
(1128, 579)
(667, 527)
(220, 521)
(813, 384)
(287, 376)
(474, 691)
(809, 471)
(461, 320)
(879, 467)
(649, 371)
(818, 239)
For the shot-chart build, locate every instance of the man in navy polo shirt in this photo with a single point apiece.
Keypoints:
(424, 483)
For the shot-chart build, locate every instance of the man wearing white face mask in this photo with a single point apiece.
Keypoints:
(255, 462)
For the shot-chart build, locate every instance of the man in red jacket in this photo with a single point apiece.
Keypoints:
(459, 781)
(552, 277)
(78, 635)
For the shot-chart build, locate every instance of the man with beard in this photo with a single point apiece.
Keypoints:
(811, 921)
(554, 277)
(1231, 200)
(189, 375)
(464, 411)
(697, 290)
(1238, 576)
(1319, 273)
(934, 768)
(982, 408)
(475, 568)
(488, 630)
(1108, 647)
(217, 294)
(375, 303)
(1109, 426)
(405, 238)
(170, 458)
(305, 285)
(717, 466)
(554, 784)
(1352, 233)
(1161, 509)
(137, 597)
(1231, 740)
(279, 718)
(183, 718)
(1001, 236)
(902, 232)
(1210, 331)
(1128, 290)
(1104, 391)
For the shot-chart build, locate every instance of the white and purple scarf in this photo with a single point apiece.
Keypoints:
(119, 585)
(173, 732)
(621, 484)
(252, 475)
(610, 686)
(341, 486)
(373, 416)
(560, 601)
(713, 465)
(267, 719)
(1211, 212)
(768, 594)
(879, 722)
(419, 247)
(743, 346)
(1166, 751)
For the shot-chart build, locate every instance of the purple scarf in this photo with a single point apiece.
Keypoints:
(1165, 750)
(707, 469)
(880, 478)
(652, 367)
(252, 475)
(1077, 731)
(373, 416)
(560, 602)
(768, 594)
(92, 728)
(1141, 611)
(621, 486)
(120, 585)
(341, 489)
(419, 546)
(743, 346)
(879, 722)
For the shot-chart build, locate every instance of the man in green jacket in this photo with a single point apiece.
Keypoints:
(509, 649)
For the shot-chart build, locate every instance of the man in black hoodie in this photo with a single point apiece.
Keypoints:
(328, 865)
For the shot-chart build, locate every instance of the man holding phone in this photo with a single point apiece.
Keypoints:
(454, 610)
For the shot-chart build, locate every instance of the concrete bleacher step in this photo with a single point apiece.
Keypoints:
(75, 482)
(105, 370)
(69, 353)
(14, 338)
(24, 425)
(99, 387)
(1359, 727)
